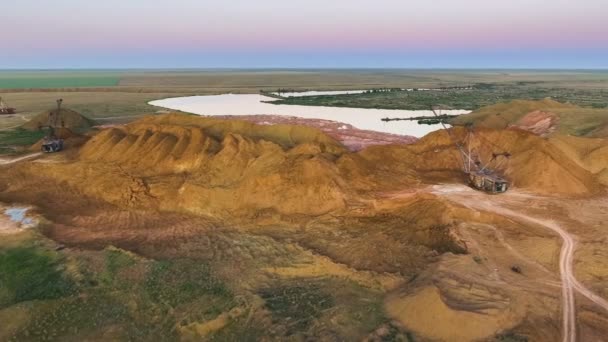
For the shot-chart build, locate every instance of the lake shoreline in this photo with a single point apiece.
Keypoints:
(254, 104)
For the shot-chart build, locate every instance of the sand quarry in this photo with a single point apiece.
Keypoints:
(268, 204)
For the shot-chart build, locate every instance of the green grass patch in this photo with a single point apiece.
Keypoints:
(30, 273)
(56, 80)
(297, 305)
(14, 141)
(20, 137)
(116, 260)
(115, 296)
(179, 282)
(77, 317)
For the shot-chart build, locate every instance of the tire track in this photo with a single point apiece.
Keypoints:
(569, 283)
(16, 160)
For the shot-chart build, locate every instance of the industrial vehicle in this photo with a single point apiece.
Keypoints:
(51, 142)
(5, 109)
(479, 175)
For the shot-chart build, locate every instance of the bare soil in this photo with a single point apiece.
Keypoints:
(319, 242)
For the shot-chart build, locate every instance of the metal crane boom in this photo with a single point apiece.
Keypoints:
(466, 157)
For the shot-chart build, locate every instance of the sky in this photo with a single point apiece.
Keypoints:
(305, 34)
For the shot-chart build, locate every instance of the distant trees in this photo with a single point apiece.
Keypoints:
(383, 90)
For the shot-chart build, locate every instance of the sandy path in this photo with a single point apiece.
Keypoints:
(15, 160)
(565, 265)
(569, 283)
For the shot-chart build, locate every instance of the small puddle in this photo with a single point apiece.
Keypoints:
(19, 216)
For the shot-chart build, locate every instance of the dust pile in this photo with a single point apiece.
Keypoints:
(67, 119)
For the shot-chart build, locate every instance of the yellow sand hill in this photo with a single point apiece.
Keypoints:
(569, 118)
(226, 168)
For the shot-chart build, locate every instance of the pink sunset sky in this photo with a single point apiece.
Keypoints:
(188, 33)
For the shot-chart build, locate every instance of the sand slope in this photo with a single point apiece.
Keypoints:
(542, 117)
(229, 167)
(67, 119)
(535, 165)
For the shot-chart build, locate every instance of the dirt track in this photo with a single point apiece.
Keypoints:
(15, 160)
(569, 283)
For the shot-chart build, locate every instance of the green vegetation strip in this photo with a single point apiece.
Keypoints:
(109, 295)
(298, 305)
(30, 273)
(15, 140)
(458, 98)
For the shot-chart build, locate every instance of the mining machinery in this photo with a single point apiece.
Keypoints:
(479, 175)
(51, 143)
(4, 109)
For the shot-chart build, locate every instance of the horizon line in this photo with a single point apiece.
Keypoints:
(305, 68)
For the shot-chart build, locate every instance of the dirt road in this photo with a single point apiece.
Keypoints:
(15, 160)
(569, 283)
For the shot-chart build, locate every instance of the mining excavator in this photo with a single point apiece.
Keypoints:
(4, 109)
(51, 142)
(481, 176)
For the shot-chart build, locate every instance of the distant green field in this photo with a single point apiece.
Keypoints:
(14, 141)
(39, 80)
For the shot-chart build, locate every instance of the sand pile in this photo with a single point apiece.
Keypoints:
(230, 168)
(590, 154)
(284, 135)
(536, 164)
(502, 115)
(67, 119)
(542, 117)
(211, 167)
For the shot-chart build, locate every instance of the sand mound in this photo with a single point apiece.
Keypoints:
(211, 167)
(67, 119)
(231, 168)
(540, 117)
(502, 115)
(590, 154)
(284, 135)
(456, 325)
(536, 164)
